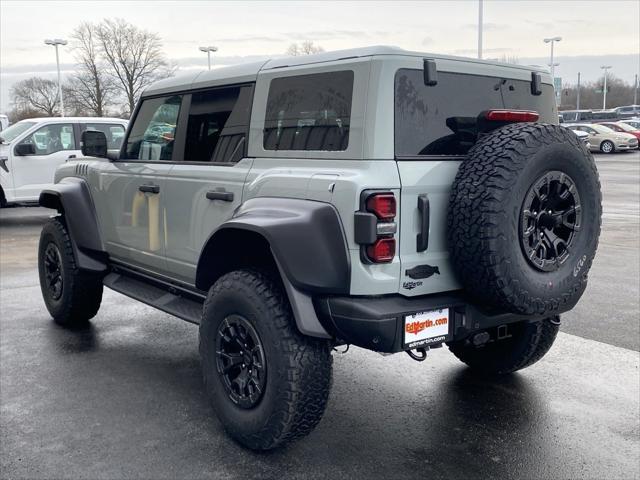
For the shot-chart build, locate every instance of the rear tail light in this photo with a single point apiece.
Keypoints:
(378, 240)
(382, 205)
(512, 115)
(382, 251)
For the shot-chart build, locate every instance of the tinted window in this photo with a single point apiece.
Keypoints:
(442, 119)
(309, 112)
(153, 132)
(52, 138)
(218, 125)
(114, 133)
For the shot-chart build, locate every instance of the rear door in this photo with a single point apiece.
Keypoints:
(435, 126)
(205, 185)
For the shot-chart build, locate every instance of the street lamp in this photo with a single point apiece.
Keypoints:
(552, 40)
(55, 42)
(480, 28)
(604, 89)
(208, 51)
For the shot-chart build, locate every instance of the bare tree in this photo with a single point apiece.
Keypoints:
(36, 94)
(134, 56)
(90, 88)
(619, 93)
(305, 48)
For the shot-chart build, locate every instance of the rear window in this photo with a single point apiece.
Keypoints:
(309, 112)
(441, 119)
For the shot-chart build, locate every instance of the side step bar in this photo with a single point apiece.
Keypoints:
(166, 299)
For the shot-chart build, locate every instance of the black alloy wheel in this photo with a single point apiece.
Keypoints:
(53, 271)
(240, 361)
(550, 219)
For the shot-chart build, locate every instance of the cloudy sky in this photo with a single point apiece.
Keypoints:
(593, 31)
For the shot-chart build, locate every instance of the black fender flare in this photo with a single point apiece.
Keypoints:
(71, 197)
(305, 236)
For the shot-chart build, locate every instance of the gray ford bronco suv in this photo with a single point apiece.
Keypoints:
(391, 200)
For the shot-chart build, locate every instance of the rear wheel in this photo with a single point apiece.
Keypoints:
(607, 147)
(268, 383)
(525, 344)
(71, 295)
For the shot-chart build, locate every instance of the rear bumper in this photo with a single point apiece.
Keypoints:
(376, 323)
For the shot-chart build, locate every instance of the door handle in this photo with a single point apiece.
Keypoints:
(71, 156)
(149, 188)
(423, 237)
(220, 195)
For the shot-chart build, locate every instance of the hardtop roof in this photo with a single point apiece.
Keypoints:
(248, 72)
(74, 119)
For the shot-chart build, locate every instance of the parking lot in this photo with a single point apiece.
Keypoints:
(124, 397)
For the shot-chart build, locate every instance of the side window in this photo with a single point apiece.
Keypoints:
(52, 138)
(218, 125)
(113, 131)
(309, 112)
(153, 131)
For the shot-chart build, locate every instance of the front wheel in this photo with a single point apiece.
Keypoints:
(268, 383)
(524, 344)
(71, 295)
(607, 147)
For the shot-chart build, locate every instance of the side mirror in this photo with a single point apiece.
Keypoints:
(93, 144)
(23, 149)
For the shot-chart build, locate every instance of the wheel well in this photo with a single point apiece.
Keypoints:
(50, 200)
(3, 199)
(232, 249)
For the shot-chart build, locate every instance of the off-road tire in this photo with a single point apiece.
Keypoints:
(299, 368)
(529, 342)
(485, 211)
(81, 291)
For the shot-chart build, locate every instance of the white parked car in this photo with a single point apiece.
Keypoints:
(31, 150)
(583, 136)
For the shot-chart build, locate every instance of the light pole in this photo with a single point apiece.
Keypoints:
(552, 40)
(55, 42)
(208, 51)
(578, 94)
(479, 28)
(604, 88)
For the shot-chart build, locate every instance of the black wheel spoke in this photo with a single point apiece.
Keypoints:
(550, 219)
(240, 361)
(53, 271)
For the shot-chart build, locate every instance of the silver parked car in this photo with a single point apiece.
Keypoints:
(604, 139)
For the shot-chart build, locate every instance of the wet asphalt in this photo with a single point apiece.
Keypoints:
(123, 398)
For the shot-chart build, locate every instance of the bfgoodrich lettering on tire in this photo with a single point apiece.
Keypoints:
(524, 219)
(268, 383)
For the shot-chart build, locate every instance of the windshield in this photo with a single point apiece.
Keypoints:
(601, 129)
(15, 130)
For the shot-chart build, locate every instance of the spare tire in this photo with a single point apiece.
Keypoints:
(524, 219)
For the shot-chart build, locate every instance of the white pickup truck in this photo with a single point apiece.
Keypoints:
(31, 150)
